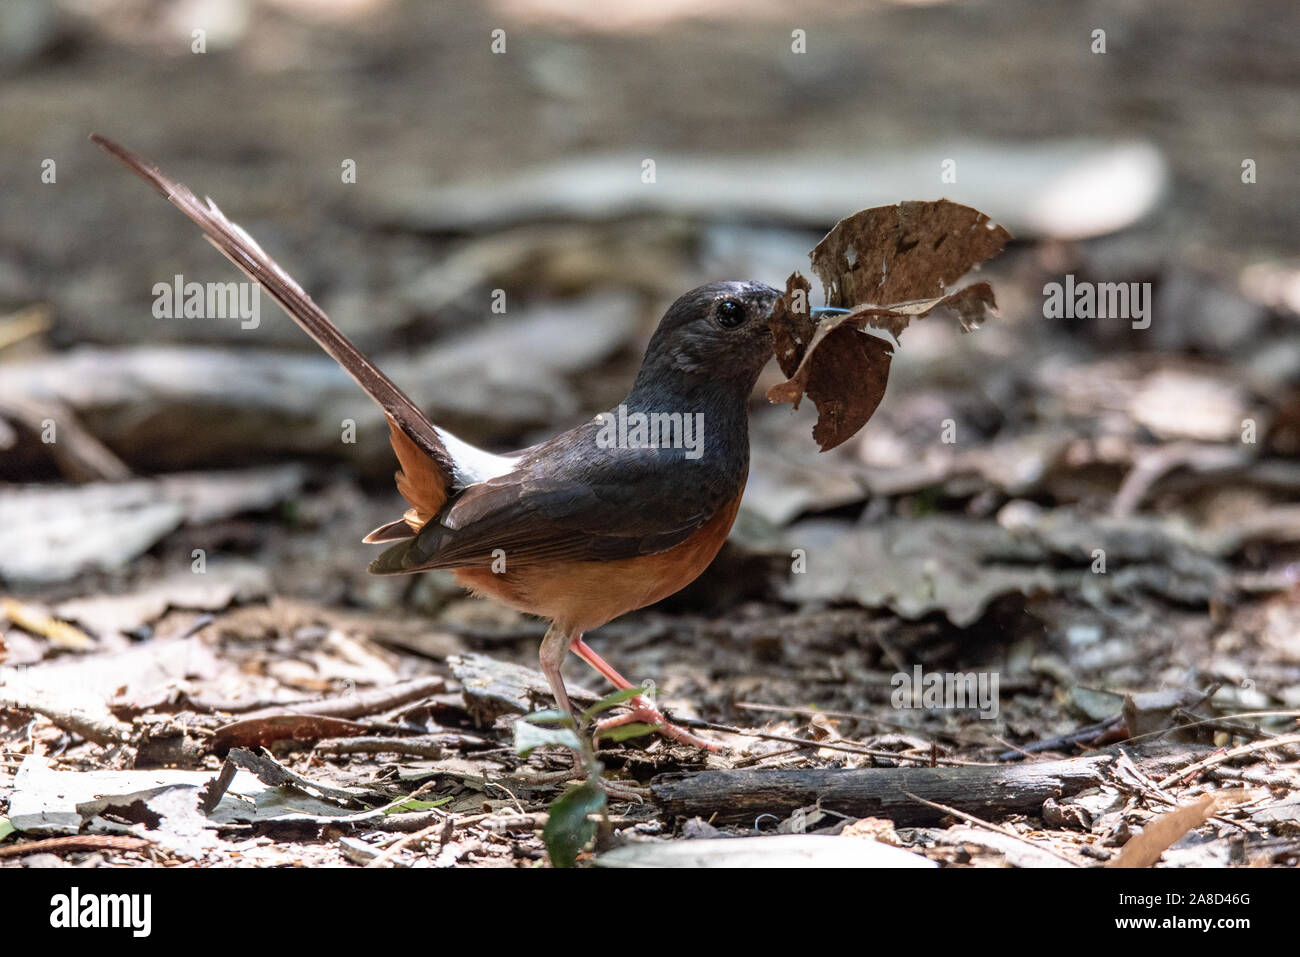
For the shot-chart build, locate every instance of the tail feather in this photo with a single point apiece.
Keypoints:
(427, 466)
(398, 531)
(421, 481)
(401, 559)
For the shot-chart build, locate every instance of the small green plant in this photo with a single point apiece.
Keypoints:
(569, 825)
(416, 805)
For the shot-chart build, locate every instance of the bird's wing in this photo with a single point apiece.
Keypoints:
(571, 501)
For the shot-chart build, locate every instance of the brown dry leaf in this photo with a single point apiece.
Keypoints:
(267, 729)
(893, 254)
(1144, 849)
(820, 360)
(890, 265)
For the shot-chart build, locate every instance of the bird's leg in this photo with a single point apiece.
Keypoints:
(643, 710)
(587, 654)
(554, 647)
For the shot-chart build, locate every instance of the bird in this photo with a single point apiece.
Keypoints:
(584, 527)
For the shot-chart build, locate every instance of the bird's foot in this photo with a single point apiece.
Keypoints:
(643, 712)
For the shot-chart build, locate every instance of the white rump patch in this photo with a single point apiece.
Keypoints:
(471, 464)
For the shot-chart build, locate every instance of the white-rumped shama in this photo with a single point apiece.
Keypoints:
(586, 530)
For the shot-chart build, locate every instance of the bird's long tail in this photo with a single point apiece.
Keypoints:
(427, 467)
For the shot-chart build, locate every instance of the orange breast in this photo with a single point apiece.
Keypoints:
(580, 596)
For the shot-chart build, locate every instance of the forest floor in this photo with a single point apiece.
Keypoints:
(1095, 515)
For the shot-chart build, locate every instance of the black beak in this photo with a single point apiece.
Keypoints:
(818, 312)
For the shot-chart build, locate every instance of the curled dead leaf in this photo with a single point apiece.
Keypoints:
(1144, 848)
(895, 254)
(888, 265)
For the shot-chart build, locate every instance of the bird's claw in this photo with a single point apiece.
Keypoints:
(644, 712)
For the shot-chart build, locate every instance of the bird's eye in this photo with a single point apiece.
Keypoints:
(730, 313)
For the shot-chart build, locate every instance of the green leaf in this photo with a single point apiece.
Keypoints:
(611, 700)
(528, 736)
(6, 828)
(417, 805)
(549, 716)
(621, 732)
(567, 828)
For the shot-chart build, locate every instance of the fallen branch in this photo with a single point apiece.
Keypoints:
(97, 729)
(990, 791)
(1088, 734)
(1212, 760)
(356, 705)
(928, 758)
(76, 842)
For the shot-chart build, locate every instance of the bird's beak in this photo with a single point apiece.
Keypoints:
(821, 312)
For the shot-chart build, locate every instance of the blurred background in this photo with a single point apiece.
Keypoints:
(411, 164)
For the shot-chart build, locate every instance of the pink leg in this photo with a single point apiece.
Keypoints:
(585, 652)
(643, 710)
